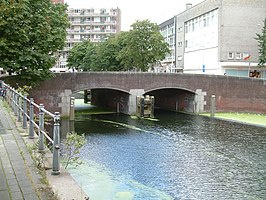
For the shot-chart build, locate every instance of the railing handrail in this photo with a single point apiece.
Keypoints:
(18, 103)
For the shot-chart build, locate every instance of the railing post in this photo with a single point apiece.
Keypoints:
(15, 104)
(41, 128)
(56, 146)
(31, 130)
(13, 100)
(19, 108)
(25, 112)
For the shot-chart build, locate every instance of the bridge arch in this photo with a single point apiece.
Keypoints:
(108, 97)
(173, 98)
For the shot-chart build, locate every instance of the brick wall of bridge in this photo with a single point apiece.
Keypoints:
(232, 93)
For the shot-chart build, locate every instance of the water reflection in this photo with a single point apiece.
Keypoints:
(177, 157)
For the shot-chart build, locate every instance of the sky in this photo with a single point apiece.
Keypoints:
(157, 11)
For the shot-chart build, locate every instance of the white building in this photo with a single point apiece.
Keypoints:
(218, 37)
(88, 24)
(168, 31)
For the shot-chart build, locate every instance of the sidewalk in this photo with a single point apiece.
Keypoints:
(19, 178)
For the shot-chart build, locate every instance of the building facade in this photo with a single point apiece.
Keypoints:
(58, 1)
(168, 31)
(218, 37)
(88, 24)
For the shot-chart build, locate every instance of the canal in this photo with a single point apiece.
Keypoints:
(175, 156)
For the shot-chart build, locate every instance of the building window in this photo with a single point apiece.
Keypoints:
(230, 55)
(171, 41)
(238, 56)
(179, 58)
(186, 43)
(192, 26)
(179, 44)
(186, 27)
(180, 29)
(204, 21)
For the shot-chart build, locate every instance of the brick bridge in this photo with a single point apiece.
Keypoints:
(180, 92)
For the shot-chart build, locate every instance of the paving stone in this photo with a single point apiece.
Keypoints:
(10, 176)
(14, 188)
(27, 190)
(25, 183)
(4, 195)
(9, 171)
(17, 195)
(31, 196)
(12, 182)
(22, 177)
(3, 185)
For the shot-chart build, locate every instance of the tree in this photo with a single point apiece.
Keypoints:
(107, 53)
(31, 31)
(71, 147)
(145, 46)
(139, 48)
(262, 45)
(81, 56)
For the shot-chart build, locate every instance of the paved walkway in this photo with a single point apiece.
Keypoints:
(18, 178)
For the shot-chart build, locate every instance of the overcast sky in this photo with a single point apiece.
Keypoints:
(157, 11)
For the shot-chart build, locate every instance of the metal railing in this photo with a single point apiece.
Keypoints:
(24, 109)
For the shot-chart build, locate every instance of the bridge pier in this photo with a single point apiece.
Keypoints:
(65, 102)
(199, 102)
(132, 103)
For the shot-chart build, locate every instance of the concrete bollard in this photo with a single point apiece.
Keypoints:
(212, 108)
(142, 104)
(117, 107)
(72, 109)
(152, 107)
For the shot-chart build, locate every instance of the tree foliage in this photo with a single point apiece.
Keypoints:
(145, 46)
(135, 49)
(81, 56)
(31, 31)
(262, 46)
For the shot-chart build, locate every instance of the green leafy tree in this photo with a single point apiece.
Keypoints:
(31, 31)
(81, 56)
(139, 48)
(145, 46)
(262, 46)
(107, 53)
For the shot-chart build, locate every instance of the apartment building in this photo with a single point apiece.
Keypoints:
(88, 24)
(58, 1)
(218, 37)
(168, 31)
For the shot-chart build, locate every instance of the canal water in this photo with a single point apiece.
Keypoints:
(175, 156)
